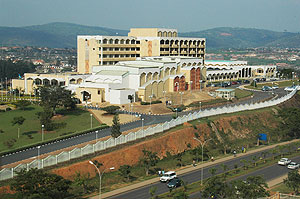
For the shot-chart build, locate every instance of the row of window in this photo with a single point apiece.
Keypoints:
(119, 56)
(119, 41)
(181, 42)
(120, 49)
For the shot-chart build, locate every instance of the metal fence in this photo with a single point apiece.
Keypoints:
(50, 160)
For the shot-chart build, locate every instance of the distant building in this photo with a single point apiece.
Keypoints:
(140, 42)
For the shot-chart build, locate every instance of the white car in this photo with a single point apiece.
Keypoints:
(275, 87)
(168, 176)
(284, 161)
(293, 165)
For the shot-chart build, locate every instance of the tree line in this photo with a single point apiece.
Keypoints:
(10, 70)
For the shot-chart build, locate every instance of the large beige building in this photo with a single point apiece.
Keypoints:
(140, 42)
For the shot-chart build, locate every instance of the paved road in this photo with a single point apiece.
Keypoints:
(148, 120)
(268, 173)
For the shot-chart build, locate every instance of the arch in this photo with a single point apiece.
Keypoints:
(132, 41)
(79, 81)
(155, 76)
(167, 72)
(107, 80)
(172, 72)
(178, 70)
(104, 41)
(161, 75)
(169, 34)
(37, 81)
(116, 41)
(149, 77)
(176, 84)
(115, 81)
(198, 77)
(159, 34)
(122, 41)
(182, 84)
(165, 34)
(46, 82)
(54, 82)
(148, 92)
(111, 41)
(192, 79)
(162, 42)
(86, 95)
(160, 88)
(127, 41)
(72, 81)
(142, 79)
(174, 34)
(154, 90)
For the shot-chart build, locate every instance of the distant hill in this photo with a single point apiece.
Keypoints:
(64, 35)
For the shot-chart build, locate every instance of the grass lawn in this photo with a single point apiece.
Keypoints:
(282, 188)
(30, 131)
(242, 93)
(279, 84)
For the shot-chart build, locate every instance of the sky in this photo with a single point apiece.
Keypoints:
(184, 15)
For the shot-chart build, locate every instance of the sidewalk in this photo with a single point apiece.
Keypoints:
(191, 168)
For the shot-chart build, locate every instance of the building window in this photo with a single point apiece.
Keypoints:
(99, 92)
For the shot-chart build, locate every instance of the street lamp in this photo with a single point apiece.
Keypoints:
(131, 111)
(181, 93)
(200, 81)
(38, 147)
(202, 146)
(176, 112)
(100, 175)
(150, 101)
(191, 82)
(272, 88)
(91, 120)
(43, 132)
(164, 93)
(143, 125)
(200, 105)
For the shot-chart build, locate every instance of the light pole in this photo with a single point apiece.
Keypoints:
(200, 105)
(100, 175)
(181, 93)
(38, 147)
(91, 120)
(143, 125)
(202, 146)
(96, 136)
(272, 88)
(176, 112)
(164, 93)
(191, 82)
(200, 81)
(150, 102)
(43, 132)
(131, 111)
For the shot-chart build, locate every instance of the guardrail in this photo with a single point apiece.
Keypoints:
(50, 160)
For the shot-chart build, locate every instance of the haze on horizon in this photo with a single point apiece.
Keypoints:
(189, 15)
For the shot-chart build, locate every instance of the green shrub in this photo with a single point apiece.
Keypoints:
(152, 102)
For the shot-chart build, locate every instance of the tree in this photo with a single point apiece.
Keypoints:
(82, 181)
(290, 126)
(152, 192)
(216, 187)
(36, 183)
(22, 104)
(253, 187)
(293, 181)
(124, 171)
(212, 171)
(18, 120)
(110, 109)
(148, 160)
(45, 118)
(115, 129)
(1, 131)
(54, 96)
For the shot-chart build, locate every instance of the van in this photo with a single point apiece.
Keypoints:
(168, 176)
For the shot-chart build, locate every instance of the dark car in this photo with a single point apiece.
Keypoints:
(234, 82)
(176, 182)
(246, 81)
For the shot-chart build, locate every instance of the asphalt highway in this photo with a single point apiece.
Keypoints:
(268, 173)
(148, 120)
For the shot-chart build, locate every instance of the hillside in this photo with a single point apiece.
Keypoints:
(63, 35)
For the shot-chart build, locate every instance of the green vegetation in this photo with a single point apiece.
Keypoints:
(10, 70)
(277, 83)
(293, 181)
(75, 121)
(110, 109)
(115, 129)
(239, 94)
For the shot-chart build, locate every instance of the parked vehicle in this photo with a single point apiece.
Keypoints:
(266, 88)
(234, 82)
(246, 81)
(168, 176)
(275, 87)
(284, 161)
(176, 182)
(293, 165)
